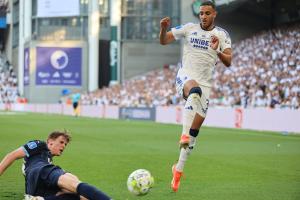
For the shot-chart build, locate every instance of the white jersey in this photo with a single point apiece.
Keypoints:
(199, 59)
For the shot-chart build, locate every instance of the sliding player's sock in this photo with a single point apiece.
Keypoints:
(90, 192)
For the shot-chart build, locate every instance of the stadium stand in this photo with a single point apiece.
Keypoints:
(265, 72)
(8, 82)
(149, 90)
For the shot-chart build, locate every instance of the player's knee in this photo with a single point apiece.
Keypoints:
(196, 90)
(69, 182)
(72, 176)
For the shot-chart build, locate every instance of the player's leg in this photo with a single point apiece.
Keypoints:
(56, 178)
(191, 121)
(75, 108)
(191, 92)
(66, 196)
(189, 89)
(63, 196)
(66, 193)
(193, 117)
(71, 183)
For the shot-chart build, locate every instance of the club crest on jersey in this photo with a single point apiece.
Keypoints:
(179, 81)
(32, 145)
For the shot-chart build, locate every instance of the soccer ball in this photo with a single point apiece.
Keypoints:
(139, 182)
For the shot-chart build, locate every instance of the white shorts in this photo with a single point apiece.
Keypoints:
(181, 79)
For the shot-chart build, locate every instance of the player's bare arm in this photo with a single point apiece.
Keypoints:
(225, 56)
(10, 158)
(164, 36)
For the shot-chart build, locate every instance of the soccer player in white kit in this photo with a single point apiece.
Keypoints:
(203, 45)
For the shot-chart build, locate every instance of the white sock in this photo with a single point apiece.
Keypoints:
(192, 141)
(189, 112)
(184, 153)
(188, 117)
(191, 105)
(182, 159)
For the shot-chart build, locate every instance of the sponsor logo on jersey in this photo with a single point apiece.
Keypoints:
(199, 43)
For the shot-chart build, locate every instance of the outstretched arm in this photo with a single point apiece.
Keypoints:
(164, 36)
(10, 158)
(224, 56)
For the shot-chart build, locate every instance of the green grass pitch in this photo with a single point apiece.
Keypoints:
(227, 164)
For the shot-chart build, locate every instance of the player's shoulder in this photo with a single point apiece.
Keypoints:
(188, 25)
(191, 25)
(32, 144)
(34, 147)
(222, 31)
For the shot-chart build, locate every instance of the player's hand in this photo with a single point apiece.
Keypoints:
(165, 23)
(214, 42)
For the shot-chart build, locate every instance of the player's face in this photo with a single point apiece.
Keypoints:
(57, 146)
(207, 16)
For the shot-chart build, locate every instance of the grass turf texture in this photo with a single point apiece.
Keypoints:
(227, 164)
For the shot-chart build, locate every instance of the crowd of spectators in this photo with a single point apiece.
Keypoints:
(152, 89)
(8, 82)
(265, 72)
